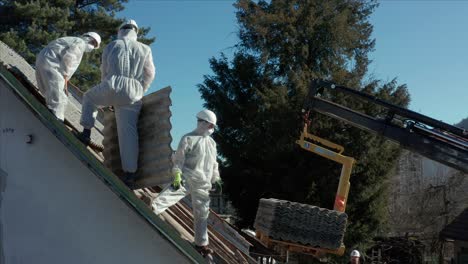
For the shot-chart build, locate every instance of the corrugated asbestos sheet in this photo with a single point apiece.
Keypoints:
(11, 59)
(458, 228)
(154, 126)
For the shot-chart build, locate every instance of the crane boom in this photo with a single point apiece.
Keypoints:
(431, 138)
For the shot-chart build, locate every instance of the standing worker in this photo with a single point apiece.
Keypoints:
(354, 257)
(57, 63)
(127, 71)
(195, 170)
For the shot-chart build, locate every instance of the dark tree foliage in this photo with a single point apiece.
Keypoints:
(259, 94)
(28, 26)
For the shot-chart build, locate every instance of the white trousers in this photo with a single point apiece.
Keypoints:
(200, 206)
(51, 84)
(126, 116)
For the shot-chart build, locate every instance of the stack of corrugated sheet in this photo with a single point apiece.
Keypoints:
(155, 152)
(301, 223)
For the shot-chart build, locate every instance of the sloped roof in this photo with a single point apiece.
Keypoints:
(458, 228)
(176, 224)
(81, 152)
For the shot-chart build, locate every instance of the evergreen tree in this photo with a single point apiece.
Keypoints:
(259, 96)
(28, 26)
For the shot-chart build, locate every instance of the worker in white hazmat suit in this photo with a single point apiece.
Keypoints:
(127, 71)
(195, 170)
(354, 257)
(57, 63)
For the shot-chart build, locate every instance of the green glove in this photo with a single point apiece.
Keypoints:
(177, 180)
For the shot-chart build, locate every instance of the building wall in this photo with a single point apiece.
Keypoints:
(53, 209)
(425, 196)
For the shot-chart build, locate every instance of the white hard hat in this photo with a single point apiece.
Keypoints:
(355, 253)
(94, 36)
(129, 22)
(207, 116)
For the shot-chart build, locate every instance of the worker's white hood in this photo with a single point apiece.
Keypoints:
(127, 33)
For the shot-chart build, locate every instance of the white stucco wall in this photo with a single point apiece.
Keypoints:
(54, 210)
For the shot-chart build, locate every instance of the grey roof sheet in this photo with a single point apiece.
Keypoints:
(154, 126)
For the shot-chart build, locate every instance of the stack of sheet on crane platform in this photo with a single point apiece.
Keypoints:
(301, 223)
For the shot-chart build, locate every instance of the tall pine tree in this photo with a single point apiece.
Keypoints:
(259, 95)
(28, 26)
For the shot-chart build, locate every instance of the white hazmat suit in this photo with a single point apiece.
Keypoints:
(127, 71)
(196, 159)
(55, 65)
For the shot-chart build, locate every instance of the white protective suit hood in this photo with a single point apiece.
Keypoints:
(88, 46)
(203, 129)
(127, 33)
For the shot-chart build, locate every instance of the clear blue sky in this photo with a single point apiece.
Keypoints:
(422, 43)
